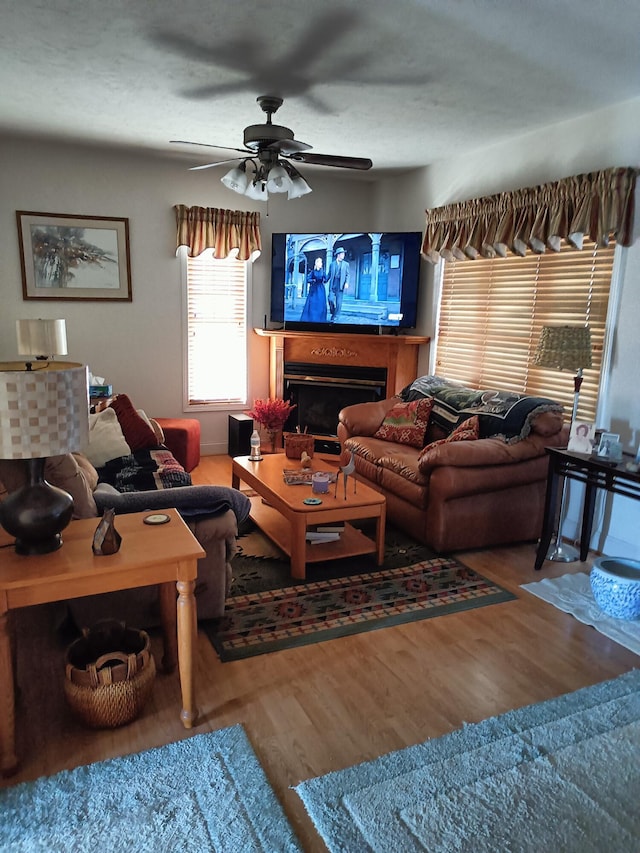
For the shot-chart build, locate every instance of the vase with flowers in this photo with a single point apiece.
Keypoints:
(271, 414)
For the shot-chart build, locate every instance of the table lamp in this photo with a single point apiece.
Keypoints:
(565, 348)
(44, 411)
(42, 339)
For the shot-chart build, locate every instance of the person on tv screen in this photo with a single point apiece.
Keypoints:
(315, 307)
(338, 278)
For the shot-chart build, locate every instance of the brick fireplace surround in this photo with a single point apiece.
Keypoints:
(324, 373)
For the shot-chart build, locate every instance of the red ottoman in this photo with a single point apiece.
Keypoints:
(182, 437)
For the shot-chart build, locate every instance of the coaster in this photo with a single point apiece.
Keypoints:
(312, 501)
(158, 518)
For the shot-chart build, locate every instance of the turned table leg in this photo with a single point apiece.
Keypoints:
(187, 639)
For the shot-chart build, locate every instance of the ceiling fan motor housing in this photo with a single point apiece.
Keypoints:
(258, 135)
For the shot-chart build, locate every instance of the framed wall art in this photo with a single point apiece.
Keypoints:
(74, 257)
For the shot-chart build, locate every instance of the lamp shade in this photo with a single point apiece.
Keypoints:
(564, 347)
(43, 412)
(41, 337)
(236, 179)
(257, 190)
(278, 181)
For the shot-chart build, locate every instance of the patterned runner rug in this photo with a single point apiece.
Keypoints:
(267, 610)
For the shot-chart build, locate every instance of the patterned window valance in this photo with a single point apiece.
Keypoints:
(224, 231)
(597, 205)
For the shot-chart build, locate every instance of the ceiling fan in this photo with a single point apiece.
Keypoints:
(264, 146)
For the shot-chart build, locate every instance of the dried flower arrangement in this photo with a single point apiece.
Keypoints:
(271, 414)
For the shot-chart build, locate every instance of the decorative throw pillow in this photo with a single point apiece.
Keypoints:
(468, 430)
(106, 439)
(406, 423)
(137, 431)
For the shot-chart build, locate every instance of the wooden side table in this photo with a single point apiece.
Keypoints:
(150, 554)
(597, 474)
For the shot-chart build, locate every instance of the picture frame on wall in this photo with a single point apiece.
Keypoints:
(65, 257)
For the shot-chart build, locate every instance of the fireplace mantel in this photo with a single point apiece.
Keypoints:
(397, 353)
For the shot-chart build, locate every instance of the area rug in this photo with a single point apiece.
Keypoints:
(572, 594)
(268, 611)
(562, 775)
(205, 793)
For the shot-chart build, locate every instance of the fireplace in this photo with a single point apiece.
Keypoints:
(323, 373)
(320, 391)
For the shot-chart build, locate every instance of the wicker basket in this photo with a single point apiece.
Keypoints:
(297, 443)
(109, 675)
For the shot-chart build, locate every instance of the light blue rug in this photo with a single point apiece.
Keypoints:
(572, 594)
(205, 793)
(563, 775)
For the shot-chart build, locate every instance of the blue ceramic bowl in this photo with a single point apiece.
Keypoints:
(615, 583)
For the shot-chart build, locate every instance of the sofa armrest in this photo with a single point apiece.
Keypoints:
(196, 501)
(364, 418)
(487, 451)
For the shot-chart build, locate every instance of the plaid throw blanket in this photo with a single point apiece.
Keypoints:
(501, 414)
(144, 470)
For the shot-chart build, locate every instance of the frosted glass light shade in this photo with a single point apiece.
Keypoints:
(257, 191)
(278, 181)
(236, 179)
(299, 187)
(41, 337)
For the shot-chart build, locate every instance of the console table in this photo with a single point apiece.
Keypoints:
(165, 554)
(596, 474)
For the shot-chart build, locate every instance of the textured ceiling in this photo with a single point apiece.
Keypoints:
(404, 82)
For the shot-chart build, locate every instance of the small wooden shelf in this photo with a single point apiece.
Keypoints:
(351, 543)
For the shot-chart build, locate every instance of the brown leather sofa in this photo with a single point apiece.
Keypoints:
(459, 494)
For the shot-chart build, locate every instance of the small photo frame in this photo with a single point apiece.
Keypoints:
(608, 446)
(581, 437)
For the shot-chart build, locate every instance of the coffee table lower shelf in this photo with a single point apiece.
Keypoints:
(352, 542)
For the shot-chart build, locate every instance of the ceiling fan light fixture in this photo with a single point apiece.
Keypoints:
(257, 190)
(278, 181)
(299, 186)
(236, 178)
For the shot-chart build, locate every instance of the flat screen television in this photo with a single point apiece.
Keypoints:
(356, 282)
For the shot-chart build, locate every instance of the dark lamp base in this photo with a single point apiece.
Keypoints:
(36, 513)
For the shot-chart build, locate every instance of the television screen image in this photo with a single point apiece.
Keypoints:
(356, 281)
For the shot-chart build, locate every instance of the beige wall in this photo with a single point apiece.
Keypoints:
(138, 347)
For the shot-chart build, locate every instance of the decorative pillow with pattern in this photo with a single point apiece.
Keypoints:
(406, 423)
(137, 431)
(468, 430)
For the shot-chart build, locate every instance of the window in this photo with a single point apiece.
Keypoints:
(492, 312)
(216, 331)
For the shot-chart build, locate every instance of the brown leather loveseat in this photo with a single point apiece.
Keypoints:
(460, 468)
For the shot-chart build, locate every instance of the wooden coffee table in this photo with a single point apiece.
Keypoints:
(279, 511)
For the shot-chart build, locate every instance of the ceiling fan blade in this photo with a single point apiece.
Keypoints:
(331, 160)
(211, 165)
(208, 145)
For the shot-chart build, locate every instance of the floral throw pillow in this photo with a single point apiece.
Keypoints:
(406, 423)
(468, 430)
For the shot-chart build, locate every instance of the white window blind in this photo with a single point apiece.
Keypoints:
(492, 312)
(216, 314)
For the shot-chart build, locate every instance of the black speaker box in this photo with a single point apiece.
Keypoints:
(240, 429)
